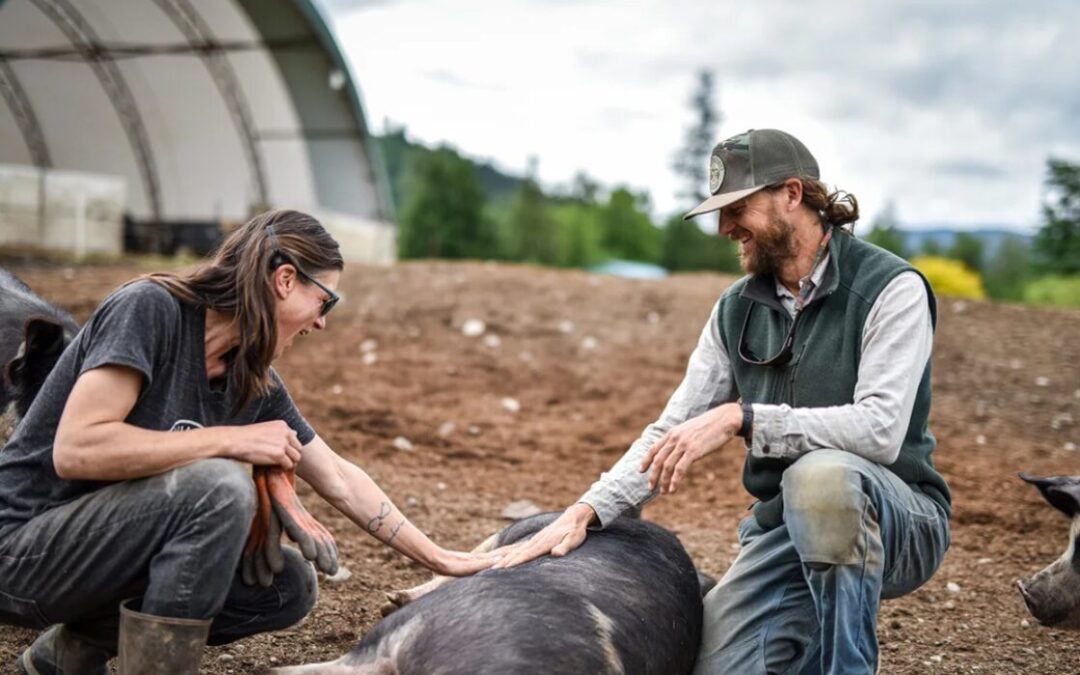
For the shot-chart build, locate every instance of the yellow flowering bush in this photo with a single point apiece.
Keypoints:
(950, 277)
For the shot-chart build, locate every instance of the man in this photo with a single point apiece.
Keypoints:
(827, 343)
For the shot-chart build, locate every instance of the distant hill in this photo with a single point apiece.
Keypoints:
(397, 151)
(945, 236)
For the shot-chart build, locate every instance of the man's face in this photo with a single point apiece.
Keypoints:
(765, 237)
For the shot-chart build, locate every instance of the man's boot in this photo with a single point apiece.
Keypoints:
(159, 645)
(58, 651)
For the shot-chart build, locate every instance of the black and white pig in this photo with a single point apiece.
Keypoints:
(1053, 594)
(33, 334)
(628, 600)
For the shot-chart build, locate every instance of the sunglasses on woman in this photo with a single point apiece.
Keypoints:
(280, 257)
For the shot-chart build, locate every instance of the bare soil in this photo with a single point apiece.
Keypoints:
(591, 360)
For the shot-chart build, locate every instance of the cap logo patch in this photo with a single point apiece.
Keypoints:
(716, 173)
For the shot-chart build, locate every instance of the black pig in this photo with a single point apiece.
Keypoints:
(33, 334)
(627, 601)
(1053, 594)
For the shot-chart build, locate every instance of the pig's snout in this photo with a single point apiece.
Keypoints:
(1040, 601)
(1026, 595)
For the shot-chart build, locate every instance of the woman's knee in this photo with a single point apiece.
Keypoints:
(298, 589)
(221, 486)
(825, 507)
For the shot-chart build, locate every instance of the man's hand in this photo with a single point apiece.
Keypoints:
(563, 535)
(670, 458)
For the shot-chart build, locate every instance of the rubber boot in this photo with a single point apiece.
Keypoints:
(58, 651)
(159, 645)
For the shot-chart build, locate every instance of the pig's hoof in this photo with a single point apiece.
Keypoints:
(394, 601)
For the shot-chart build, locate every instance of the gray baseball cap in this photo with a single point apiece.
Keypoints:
(752, 161)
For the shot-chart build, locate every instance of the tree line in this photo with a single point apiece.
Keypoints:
(1044, 271)
(450, 206)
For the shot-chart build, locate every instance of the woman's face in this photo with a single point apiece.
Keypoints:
(300, 304)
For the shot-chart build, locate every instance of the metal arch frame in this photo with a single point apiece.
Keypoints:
(322, 30)
(198, 34)
(137, 133)
(72, 24)
(25, 117)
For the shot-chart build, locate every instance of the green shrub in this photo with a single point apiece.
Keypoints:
(1054, 290)
(950, 277)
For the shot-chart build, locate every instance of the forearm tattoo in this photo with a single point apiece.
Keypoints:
(376, 523)
(393, 532)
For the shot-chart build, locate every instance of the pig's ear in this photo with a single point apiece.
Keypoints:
(43, 336)
(1062, 492)
(40, 337)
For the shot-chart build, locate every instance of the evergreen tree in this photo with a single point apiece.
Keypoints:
(532, 231)
(580, 234)
(931, 247)
(628, 232)
(968, 249)
(398, 154)
(1009, 270)
(691, 161)
(885, 231)
(686, 248)
(1057, 243)
(444, 214)
(684, 245)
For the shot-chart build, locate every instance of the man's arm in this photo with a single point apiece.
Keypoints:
(896, 345)
(707, 383)
(350, 490)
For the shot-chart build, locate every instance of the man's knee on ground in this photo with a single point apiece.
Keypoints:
(825, 508)
(218, 485)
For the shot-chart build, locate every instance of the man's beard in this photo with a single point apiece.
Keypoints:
(770, 249)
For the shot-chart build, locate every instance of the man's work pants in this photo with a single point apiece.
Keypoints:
(803, 598)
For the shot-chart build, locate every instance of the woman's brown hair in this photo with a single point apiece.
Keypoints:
(238, 282)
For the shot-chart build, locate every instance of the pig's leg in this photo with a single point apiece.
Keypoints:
(398, 599)
(381, 658)
(339, 667)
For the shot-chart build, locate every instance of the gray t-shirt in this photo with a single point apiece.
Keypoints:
(141, 326)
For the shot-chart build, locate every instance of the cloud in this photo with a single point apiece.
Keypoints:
(342, 7)
(970, 168)
(916, 100)
(446, 77)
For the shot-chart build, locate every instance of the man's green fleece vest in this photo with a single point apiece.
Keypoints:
(825, 364)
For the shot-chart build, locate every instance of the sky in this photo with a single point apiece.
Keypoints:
(946, 110)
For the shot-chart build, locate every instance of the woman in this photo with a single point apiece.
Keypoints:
(100, 502)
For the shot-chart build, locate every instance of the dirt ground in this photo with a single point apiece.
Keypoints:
(591, 360)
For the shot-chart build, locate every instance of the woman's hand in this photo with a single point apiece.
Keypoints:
(563, 535)
(458, 564)
(265, 443)
(671, 456)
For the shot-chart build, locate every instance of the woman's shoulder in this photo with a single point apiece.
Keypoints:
(143, 296)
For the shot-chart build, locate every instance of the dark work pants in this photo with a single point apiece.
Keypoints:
(174, 539)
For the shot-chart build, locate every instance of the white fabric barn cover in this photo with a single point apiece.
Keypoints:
(210, 110)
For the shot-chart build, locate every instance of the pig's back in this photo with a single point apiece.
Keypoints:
(627, 600)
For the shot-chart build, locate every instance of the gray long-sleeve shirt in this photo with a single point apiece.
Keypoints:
(896, 345)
